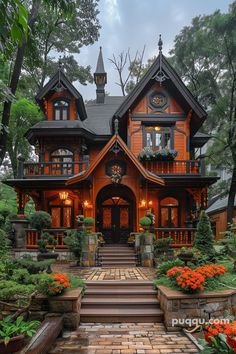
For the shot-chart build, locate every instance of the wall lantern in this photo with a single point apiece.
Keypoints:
(87, 204)
(142, 203)
(150, 203)
(63, 195)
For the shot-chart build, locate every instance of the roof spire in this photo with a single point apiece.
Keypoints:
(160, 43)
(100, 79)
(59, 63)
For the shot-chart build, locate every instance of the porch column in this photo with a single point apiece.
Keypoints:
(21, 201)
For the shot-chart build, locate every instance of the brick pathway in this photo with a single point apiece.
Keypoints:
(125, 338)
(137, 273)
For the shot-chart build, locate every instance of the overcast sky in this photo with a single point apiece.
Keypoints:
(135, 23)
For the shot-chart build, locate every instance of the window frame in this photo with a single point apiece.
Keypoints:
(61, 109)
(61, 162)
(153, 134)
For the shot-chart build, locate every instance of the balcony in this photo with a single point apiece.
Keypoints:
(175, 167)
(54, 168)
(182, 237)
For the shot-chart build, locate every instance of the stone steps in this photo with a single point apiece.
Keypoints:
(120, 301)
(120, 256)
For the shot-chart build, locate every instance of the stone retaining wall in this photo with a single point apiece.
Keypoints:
(202, 306)
(66, 305)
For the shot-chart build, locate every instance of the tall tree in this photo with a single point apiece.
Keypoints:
(56, 9)
(205, 56)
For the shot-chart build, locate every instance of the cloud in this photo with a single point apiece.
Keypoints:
(113, 14)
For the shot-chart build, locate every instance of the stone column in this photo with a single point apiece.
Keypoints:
(146, 249)
(89, 249)
(18, 227)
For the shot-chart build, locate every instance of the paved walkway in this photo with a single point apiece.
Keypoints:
(137, 273)
(125, 338)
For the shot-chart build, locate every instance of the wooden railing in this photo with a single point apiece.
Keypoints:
(54, 168)
(184, 167)
(32, 237)
(181, 236)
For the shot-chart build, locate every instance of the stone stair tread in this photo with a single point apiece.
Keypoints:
(121, 312)
(123, 300)
(119, 283)
(122, 291)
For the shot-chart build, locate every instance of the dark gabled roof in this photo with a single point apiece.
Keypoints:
(60, 76)
(219, 204)
(176, 81)
(100, 115)
(200, 139)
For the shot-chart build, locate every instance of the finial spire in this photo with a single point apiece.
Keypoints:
(116, 126)
(59, 63)
(160, 43)
(100, 78)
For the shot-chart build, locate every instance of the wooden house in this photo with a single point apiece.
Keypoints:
(89, 158)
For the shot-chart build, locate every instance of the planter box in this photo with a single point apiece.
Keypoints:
(66, 305)
(180, 307)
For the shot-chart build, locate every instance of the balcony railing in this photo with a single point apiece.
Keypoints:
(181, 236)
(181, 167)
(32, 237)
(54, 168)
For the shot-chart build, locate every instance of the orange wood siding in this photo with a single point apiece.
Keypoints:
(220, 220)
(55, 95)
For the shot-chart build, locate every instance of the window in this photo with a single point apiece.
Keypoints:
(62, 162)
(169, 212)
(158, 137)
(61, 110)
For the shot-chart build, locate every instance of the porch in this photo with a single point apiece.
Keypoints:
(182, 237)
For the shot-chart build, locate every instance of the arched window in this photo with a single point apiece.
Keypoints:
(62, 162)
(61, 110)
(169, 212)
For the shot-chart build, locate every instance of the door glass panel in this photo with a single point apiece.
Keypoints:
(164, 217)
(174, 217)
(106, 218)
(124, 218)
(56, 217)
(66, 217)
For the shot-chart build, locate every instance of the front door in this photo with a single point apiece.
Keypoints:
(115, 220)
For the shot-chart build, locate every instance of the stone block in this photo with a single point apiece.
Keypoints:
(71, 320)
(37, 315)
(60, 306)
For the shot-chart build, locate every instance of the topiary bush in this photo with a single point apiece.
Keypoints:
(203, 240)
(89, 221)
(145, 221)
(40, 220)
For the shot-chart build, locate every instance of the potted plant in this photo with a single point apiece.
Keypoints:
(185, 254)
(145, 222)
(89, 222)
(13, 333)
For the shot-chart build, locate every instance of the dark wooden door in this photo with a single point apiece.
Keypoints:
(115, 222)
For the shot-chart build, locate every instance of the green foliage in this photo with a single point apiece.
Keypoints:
(45, 240)
(89, 221)
(73, 241)
(24, 114)
(33, 267)
(4, 245)
(76, 282)
(219, 345)
(147, 154)
(10, 328)
(203, 240)
(165, 266)
(230, 246)
(40, 220)
(10, 289)
(145, 221)
(21, 275)
(162, 245)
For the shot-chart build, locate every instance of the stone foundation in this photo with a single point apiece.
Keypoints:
(64, 255)
(89, 250)
(203, 306)
(144, 249)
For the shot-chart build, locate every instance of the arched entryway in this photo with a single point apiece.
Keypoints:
(115, 213)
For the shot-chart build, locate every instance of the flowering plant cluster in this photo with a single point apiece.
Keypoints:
(193, 280)
(220, 335)
(59, 284)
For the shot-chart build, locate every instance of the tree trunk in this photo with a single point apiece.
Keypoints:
(14, 81)
(232, 194)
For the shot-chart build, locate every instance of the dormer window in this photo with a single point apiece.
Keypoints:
(158, 137)
(61, 110)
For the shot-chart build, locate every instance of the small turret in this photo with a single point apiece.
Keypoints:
(100, 79)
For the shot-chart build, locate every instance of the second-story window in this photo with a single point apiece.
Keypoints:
(158, 137)
(61, 110)
(62, 162)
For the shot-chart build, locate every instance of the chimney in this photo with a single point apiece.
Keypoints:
(100, 78)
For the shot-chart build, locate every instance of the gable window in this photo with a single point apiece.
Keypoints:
(158, 137)
(62, 162)
(61, 110)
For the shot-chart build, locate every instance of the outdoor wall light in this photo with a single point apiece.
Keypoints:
(63, 195)
(143, 203)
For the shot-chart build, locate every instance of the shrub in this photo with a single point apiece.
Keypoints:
(10, 289)
(32, 266)
(4, 245)
(45, 240)
(21, 276)
(40, 220)
(145, 221)
(73, 241)
(89, 221)
(204, 237)
(165, 266)
(162, 245)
